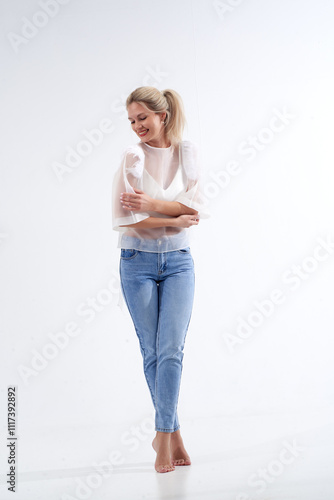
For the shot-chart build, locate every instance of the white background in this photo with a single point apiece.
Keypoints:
(235, 68)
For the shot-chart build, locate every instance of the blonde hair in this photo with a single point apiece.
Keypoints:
(168, 101)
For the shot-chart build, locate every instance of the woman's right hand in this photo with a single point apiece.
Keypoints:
(186, 220)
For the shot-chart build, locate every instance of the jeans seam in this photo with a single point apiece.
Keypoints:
(183, 344)
(129, 258)
(127, 271)
(163, 429)
(157, 352)
(140, 342)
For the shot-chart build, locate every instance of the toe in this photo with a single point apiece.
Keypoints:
(181, 461)
(165, 468)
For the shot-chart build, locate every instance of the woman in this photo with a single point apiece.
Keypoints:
(156, 199)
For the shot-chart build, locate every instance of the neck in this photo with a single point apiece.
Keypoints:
(159, 142)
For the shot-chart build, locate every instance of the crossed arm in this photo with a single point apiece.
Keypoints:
(181, 215)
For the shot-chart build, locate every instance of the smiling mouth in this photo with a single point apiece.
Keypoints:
(143, 133)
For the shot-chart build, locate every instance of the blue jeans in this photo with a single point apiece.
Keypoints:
(158, 289)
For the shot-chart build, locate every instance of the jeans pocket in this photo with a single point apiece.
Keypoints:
(128, 253)
(184, 250)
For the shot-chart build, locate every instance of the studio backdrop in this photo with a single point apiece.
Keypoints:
(256, 78)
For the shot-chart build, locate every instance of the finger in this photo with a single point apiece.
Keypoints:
(129, 198)
(129, 195)
(130, 208)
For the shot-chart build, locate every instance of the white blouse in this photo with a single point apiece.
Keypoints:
(170, 174)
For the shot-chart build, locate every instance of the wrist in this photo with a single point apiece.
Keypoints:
(174, 221)
(155, 205)
(182, 209)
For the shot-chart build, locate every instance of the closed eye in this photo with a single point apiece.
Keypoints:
(141, 119)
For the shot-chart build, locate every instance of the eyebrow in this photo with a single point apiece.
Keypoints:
(130, 118)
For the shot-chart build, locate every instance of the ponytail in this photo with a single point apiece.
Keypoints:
(166, 101)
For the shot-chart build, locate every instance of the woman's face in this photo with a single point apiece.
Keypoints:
(147, 124)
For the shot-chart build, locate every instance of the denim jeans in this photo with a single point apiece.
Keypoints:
(158, 289)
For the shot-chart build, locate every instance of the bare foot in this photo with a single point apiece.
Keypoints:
(179, 455)
(161, 444)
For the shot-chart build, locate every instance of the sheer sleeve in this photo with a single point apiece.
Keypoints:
(192, 196)
(128, 176)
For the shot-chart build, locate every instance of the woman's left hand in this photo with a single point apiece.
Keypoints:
(138, 202)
